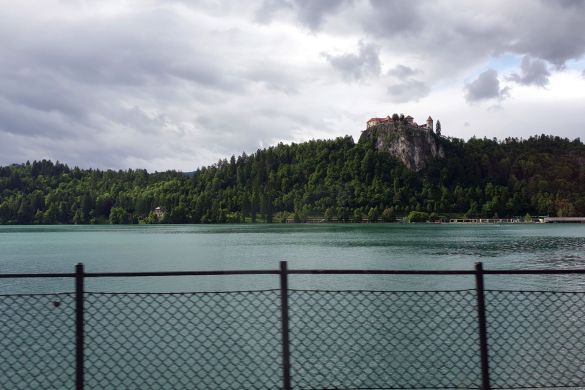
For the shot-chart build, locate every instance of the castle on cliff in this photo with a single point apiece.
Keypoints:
(391, 119)
(401, 137)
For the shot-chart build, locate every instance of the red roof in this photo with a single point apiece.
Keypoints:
(430, 119)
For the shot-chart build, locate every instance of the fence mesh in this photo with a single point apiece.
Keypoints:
(37, 341)
(183, 341)
(382, 340)
(338, 340)
(536, 339)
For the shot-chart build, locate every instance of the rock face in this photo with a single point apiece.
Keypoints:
(413, 145)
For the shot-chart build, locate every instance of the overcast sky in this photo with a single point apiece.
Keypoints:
(179, 84)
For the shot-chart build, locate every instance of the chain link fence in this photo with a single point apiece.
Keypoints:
(37, 341)
(536, 339)
(380, 340)
(183, 341)
(337, 340)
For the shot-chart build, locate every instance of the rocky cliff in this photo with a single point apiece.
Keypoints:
(414, 146)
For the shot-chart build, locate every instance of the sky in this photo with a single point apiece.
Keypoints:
(169, 84)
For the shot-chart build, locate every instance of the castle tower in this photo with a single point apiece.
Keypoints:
(430, 123)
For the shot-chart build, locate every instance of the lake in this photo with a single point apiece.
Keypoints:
(385, 331)
(105, 248)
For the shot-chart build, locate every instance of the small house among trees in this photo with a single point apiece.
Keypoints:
(160, 212)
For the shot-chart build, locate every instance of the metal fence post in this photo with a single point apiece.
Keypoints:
(483, 341)
(79, 321)
(284, 321)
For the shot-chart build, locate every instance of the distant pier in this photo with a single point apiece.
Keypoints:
(484, 220)
(470, 221)
(563, 220)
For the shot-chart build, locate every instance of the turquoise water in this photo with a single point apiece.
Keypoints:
(212, 247)
(372, 338)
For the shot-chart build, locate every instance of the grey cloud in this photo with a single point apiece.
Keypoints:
(106, 53)
(18, 119)
(198, 79)
(409, 90)
(358, 66)
(44, 93)
(274, 77)
(391, 17)
(402, 71)
(485, 87)
(567, 3)
(207, 74)
(555, 32)
(310, 13)
(266, 11)
(453, 39)
(583, 74)
(226, 136)
(103, 93)
(406, 88)
(533, 72)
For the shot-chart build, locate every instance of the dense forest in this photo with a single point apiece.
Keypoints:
(328, 179)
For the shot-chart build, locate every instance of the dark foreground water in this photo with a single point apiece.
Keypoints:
(346, 332)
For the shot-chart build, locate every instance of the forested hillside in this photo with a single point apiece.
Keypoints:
(329, 179)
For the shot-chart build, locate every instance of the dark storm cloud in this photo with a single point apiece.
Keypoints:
(485, 87)
(533, 72)
(310, 13)
(354, 67)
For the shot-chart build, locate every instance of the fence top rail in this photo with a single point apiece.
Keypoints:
(437, 272)
(37, 275)
(295, 272)
(138, 274)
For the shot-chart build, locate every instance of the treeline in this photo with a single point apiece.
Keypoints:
(330, 179)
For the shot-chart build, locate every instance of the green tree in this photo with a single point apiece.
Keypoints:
(373, 214)
(179, 214)
(417, 216)
(389, 215)
(329, 214)
(357, 216)
(78, 217)
(118, 216)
